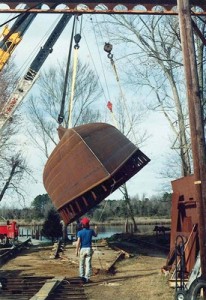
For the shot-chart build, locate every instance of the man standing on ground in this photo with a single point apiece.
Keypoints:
(84, 248)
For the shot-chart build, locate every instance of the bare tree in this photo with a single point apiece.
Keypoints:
(13, 167)
(199, 25)
(16, 168)
(153, 61)
(44, 109)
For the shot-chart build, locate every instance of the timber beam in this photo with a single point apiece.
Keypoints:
(158, 7)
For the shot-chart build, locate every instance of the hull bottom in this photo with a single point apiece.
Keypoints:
(79, 206)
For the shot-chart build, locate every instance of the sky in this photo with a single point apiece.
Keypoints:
(147, 182)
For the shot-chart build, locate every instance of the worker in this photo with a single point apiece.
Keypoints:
(84, 249)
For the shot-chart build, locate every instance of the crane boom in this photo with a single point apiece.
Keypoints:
(26, 83)
(12, 37)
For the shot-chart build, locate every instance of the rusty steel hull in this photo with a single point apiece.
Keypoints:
(184, 208)
(184, 222)
(89, 163)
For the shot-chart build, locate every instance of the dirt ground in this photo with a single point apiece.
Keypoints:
(135, 277)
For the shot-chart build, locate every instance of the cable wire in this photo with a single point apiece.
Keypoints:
(122, 96)
(103, 72)
(93, 62)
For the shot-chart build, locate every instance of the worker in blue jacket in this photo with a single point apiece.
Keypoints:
(84, 249)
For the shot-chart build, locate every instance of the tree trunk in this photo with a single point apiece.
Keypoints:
(127, 199)
(64, 233)
(15, 165)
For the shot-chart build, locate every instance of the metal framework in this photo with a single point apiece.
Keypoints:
(159, 7)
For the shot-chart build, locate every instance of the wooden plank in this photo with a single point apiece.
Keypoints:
(47, 288)
(121, 255)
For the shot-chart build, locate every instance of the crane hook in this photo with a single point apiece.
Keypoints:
(77, 39)
(108, 48)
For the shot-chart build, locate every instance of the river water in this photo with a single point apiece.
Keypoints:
(104, 231)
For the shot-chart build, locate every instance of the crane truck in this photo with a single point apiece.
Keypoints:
(26, 83)
(10, 38)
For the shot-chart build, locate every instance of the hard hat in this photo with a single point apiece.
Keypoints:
(85, 221)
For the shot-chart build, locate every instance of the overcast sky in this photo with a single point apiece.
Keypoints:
(147, 181)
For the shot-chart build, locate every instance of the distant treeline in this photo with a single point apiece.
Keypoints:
(159, 207)
(107, 210)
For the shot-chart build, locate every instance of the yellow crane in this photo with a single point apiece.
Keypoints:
(25, 84)
(10, 38)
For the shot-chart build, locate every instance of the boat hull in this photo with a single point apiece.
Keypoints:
(90, 162)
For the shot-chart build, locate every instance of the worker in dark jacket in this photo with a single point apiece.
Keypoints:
(84, 249)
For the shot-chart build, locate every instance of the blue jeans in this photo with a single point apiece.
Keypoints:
(85, 265)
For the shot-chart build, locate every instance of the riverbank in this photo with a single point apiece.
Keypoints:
(119, 221)
(105, 229)
(138, 220)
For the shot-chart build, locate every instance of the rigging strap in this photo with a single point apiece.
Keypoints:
(61, 114)
(109, 105)
(77, 39)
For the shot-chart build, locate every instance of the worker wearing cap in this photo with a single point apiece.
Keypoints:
(84, 249)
